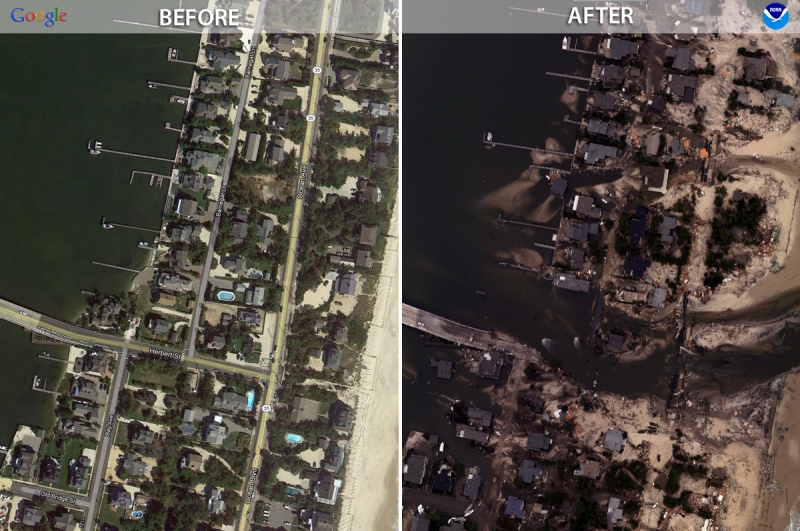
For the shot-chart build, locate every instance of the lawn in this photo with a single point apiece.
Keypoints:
(107, 514)
(155, 379)
(72, 450)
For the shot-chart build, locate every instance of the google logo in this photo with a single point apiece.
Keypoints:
(18, 14)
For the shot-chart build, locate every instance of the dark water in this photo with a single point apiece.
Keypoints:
(64, 91)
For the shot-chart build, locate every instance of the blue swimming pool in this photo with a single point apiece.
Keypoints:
(137, 514)
(251, 398)
(292, 491)
(294, 438)
(226, 296)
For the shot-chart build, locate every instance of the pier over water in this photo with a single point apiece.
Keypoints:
(462, 334)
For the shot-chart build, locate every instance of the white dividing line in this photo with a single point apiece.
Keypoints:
(540, 12)
(154, 26)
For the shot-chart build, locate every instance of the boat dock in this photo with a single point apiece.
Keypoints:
(543, 246)
(179, 87)
(567, 46)
(112, 266)
(59, 360)
(174, 98)
(134, 227)
(569, 76)
(570, 121)
(487, 139)
(172, 56)
(168, 127)
(502, 221)
(138, 155)
(154, 177)
(548, 168)
(573, 88)
(42, 388)
(517, 266)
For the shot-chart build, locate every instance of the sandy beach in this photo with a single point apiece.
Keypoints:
(372, 473)
(785, 446)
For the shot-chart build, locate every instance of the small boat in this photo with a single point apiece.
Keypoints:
(152, 86)
(45, 353)
(144, 245)
(105, 224)
(565, 43)
(94, 148)
(38, 381)
(3, 448)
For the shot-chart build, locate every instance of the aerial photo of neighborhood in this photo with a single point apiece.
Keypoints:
(600, 289)
(200, 321)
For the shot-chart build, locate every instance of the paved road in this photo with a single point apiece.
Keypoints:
(290, 271)
(74, 334)
(226, 172)
(67, 499)
(107, 430)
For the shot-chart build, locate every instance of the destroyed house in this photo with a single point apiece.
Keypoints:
(466, 432)
(755, 68)
(539, 442)
(636, 266)
(570, 282)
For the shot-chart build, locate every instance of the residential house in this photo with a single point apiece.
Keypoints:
(346, 284)
(249, 317)
(276, 67)
(50, 471)
(86, 412)
(657, 298)
(570, 282)
(322, 521)
(235, 264)
(414, 469)
(120, 498)
(472, 485)
(214, 432)
(278, 93)
(514, 507)
(611, 74)
(159, 326)
(334, 457)
(530, 471)
(239, 231)
(368, 235)
(230, 402)
(251, 146)
(599, 127)
(88, 389)
(614, 513)
(184, 233)
(444, 368)
(180, 258)
(443, 480)
(215, 342)
(480, 417)
(491, 365)
(467, 432)
(186, 207)
(618, 48)
(79, 473)
(594, 153)
(255, 296)
(382, 134)
(195, 181)
(538, 442)
(31, 516)
(216, 505)
(275, 153)
(636, 266)
(420, 523)
(378, 110)
(606, 102)
(285, 44)
(614, 440)
(65, 522)
(367, 191)
(378, 159)
(682, 88)
(332, 357)
(95, 363)
(140, 435)
(199, 135)
(134, 465)
(588, 469)
(198, 160)
(327, 489)
(665, 228)
(212, 85)
(755, 68)
(341, 416)
(348, 78)
(681, 58)
(221, 59)
(265, 229)
(615, 342)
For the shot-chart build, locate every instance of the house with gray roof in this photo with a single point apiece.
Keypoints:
(378, 159)
(212, 85)
(275, 152)
(159, 326)
(666, 227)
(198, 135)
(221, 59)
(472, 485)
(174, 282)
(323, 521)
(197, 160)
(383, 134)
(249, 317)
(682, 88)
(514, 507)
(657, 298)
(65, 522)
(184, 233)
(480, 416)
(348, 78)
(216, 504)
(86, 412)
(140, 435)
(539, 442)
(377, 110)
(334, 457)
(597, 152)
(186, 207)
(614, 513)
(368, 235)
(619, 48)
(467, 432)
(599, 127)
(613, 74)
(414, 469)
(278, 93)
(588, 469)
(277, 67)
(530, 471)
(607, 102)
(235, 264)
(570, 282)
(327, 488)
(251, 147)
(31, 515)
(134, 465)
(444, 368)
(614, 440)
(265, 228)
(681, 58)
(332, 357)
(195, 181)
(558, 187)
(346, 284)
(24, 461)
(420, 523)
(230, 402)
(79, 473)
(615, 342)
(214, 432)
(697, 7)
(120, 497)
(239, 231)
(755, 68)
(341, 416)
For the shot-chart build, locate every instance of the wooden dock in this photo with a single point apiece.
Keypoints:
(176, 60)
(112, 266)
(59, 360)
(501, 221)
(179, 87)
(174, 98)
(168, 127)
(134, 227)
(517, 266)
(490, 144)
(569, 76)
(570, 121)
(569, 48)
(152, 176)
(573, 88)
(543, 246)
(137, 155)
(42, 388)
(549, 168)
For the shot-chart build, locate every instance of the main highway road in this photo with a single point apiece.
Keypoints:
(324, 42)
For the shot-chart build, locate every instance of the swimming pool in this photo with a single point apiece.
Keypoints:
(226, 296)
(137, 514)
(292, 491)
(251, 398)
(255, 275)
(294, 438)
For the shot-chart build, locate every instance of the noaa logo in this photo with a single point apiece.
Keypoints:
(776, 16)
